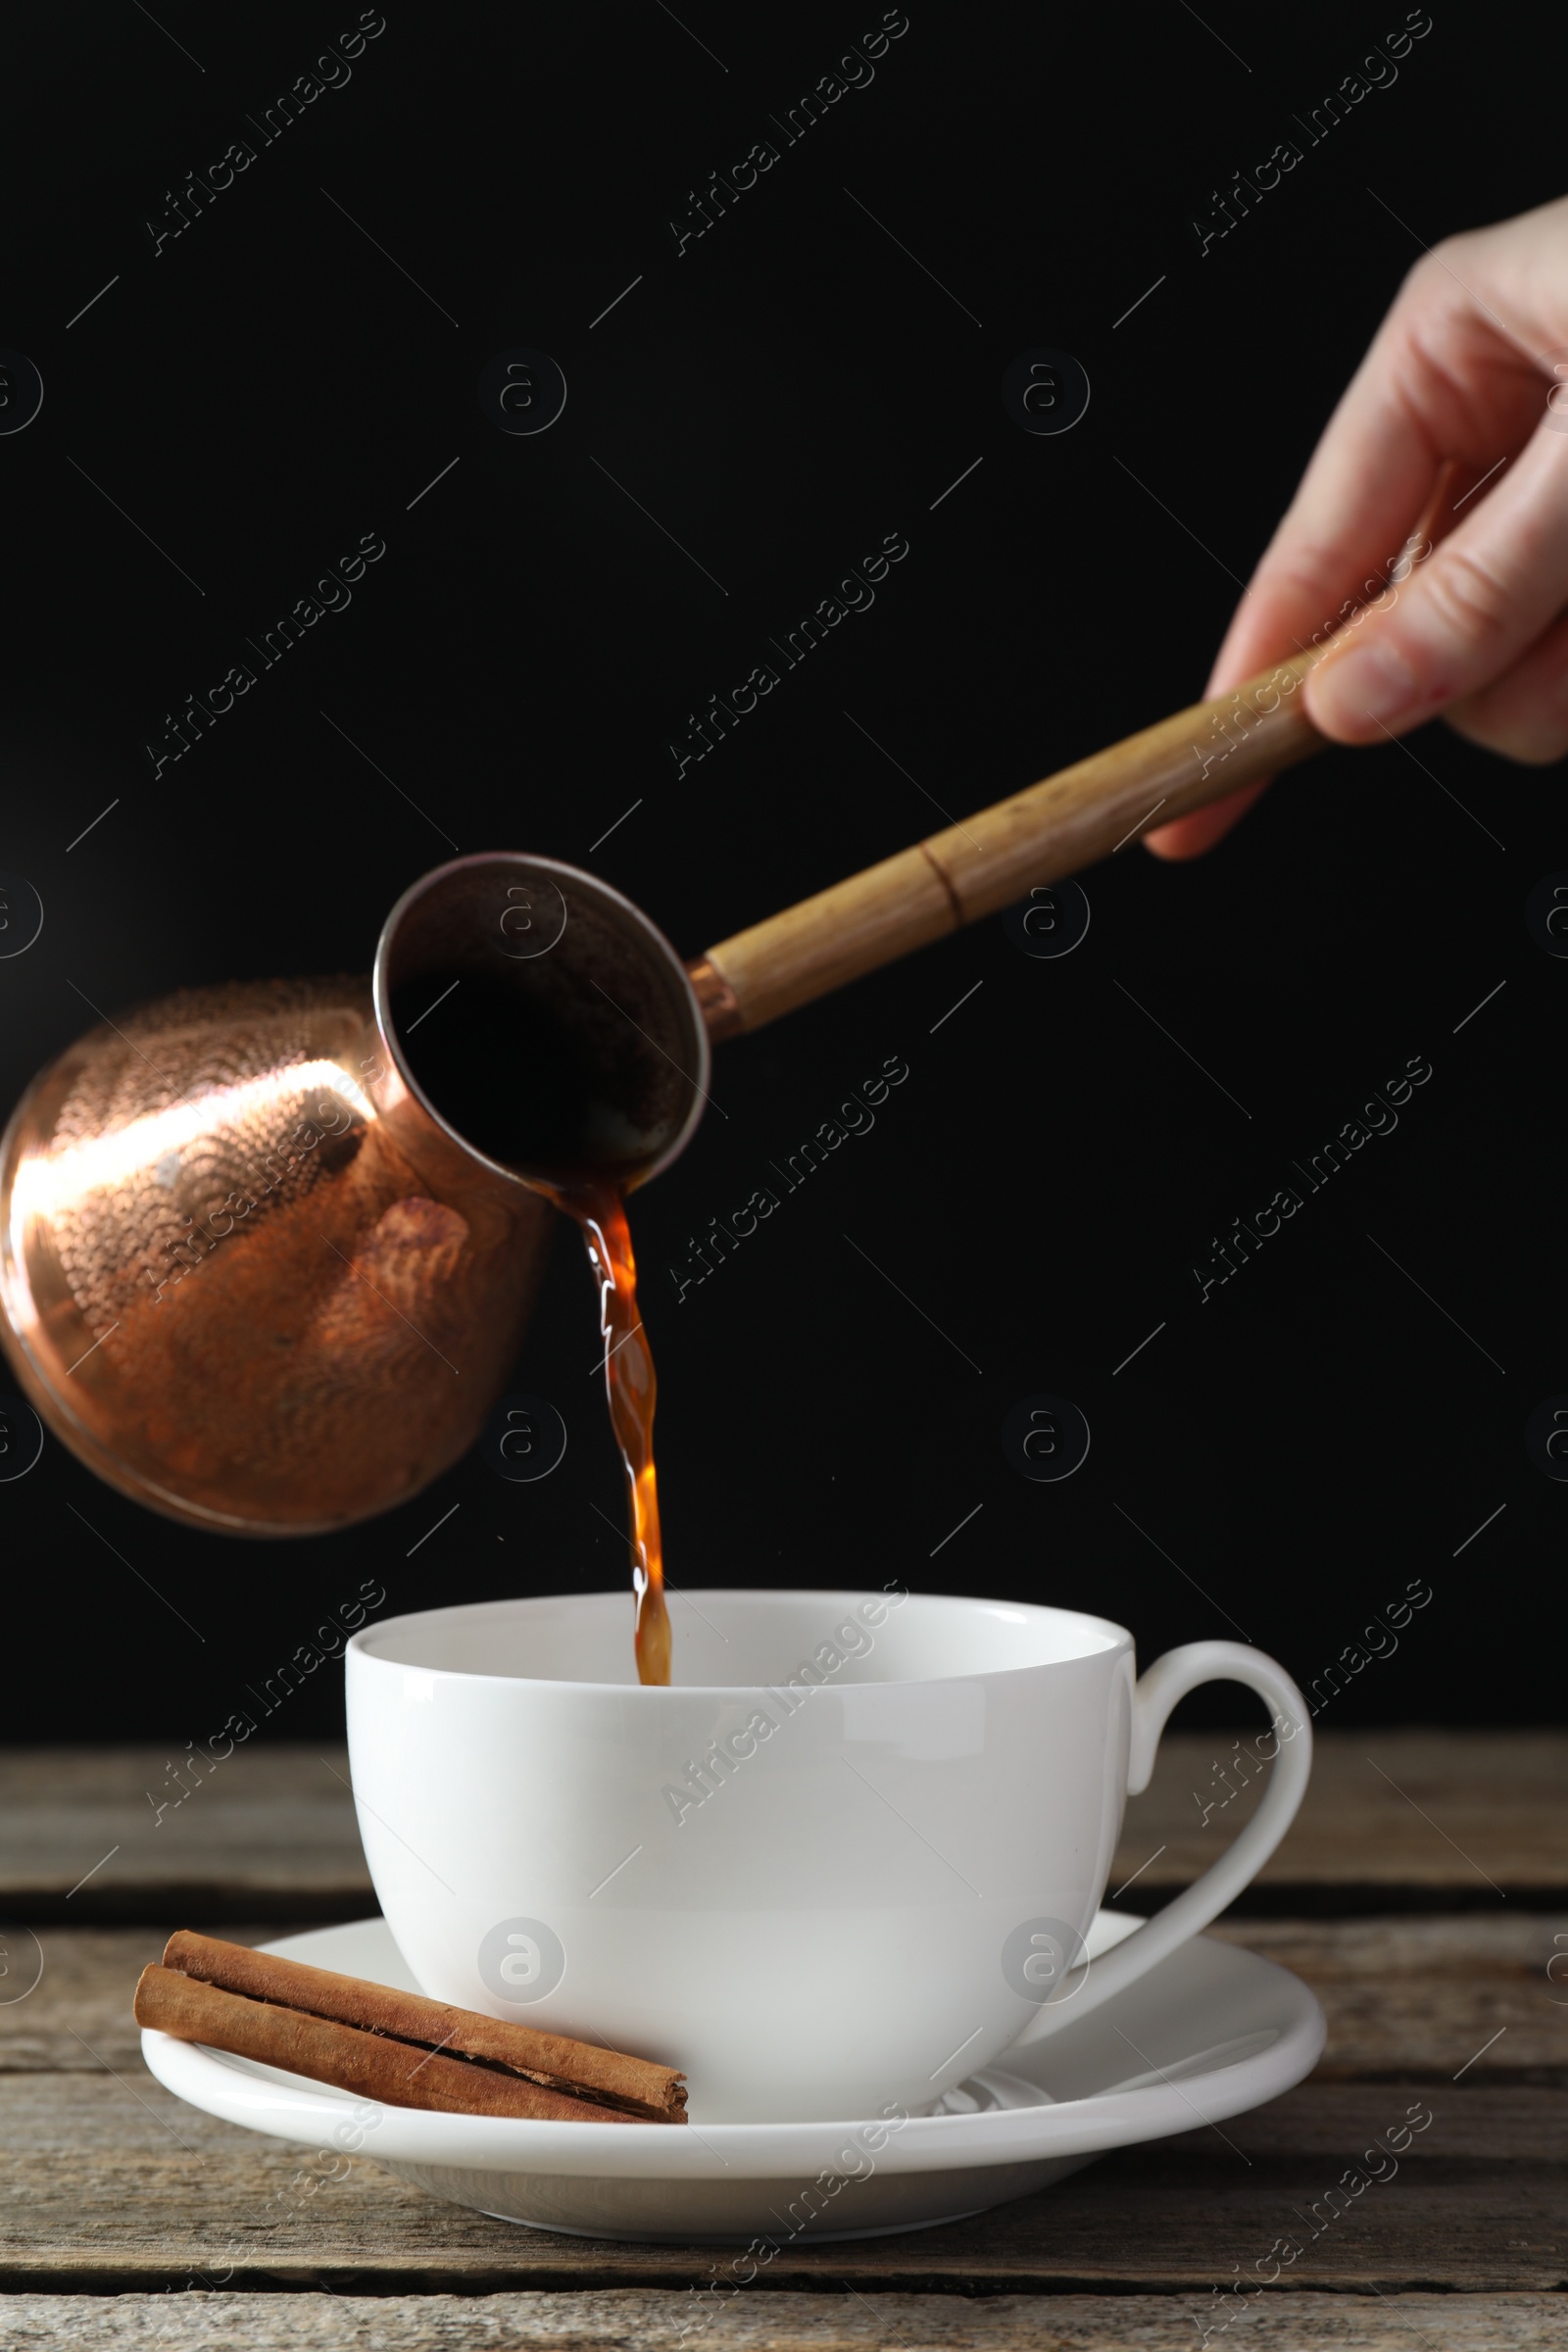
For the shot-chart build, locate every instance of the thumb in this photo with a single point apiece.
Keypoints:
(1487, 593)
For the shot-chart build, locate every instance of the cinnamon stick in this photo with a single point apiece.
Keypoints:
(594, 2083)
(398, 2074)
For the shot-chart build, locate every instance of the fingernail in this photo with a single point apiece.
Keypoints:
(1369, 682)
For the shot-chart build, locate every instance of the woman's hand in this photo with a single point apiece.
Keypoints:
(1469, 369)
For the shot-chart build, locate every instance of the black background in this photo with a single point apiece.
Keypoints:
(1284, 1459)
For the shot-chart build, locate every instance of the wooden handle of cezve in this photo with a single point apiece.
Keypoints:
(1053, 828)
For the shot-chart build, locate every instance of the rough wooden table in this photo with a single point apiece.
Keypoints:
(1423, 1894)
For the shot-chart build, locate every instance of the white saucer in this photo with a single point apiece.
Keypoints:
(1211, 2032)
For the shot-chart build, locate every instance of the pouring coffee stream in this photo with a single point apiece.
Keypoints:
(632, 1391)
(268, 1250)
(472, 1030)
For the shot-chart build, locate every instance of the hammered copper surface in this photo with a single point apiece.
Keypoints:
(249, 1275)
(233, 1291)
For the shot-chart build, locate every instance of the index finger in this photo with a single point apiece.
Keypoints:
(1444, 378)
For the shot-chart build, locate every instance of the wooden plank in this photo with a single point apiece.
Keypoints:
(107, 2183)
(76, 2018)
(1413, 1998)
(1477, 1812)
(269, 1832)
(657, 2321)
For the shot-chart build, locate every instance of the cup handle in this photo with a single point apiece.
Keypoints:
(1168, 1679)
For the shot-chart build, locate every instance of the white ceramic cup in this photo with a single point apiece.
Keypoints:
(848, 1859)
